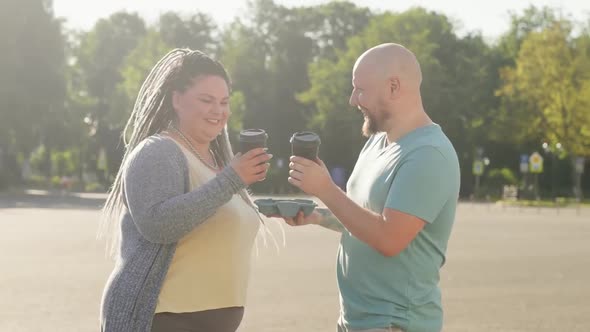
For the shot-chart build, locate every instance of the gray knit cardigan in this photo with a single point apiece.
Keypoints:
(159, 211)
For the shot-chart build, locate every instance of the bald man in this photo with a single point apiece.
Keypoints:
(398, 211)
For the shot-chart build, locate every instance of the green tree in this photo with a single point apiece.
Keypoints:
(457, 89)
(32, 84)
(194, 31)
(268, 54)
(330, 25)
(134, 69)
(98, 57)
(101, 53)
(547, 91)
(532, 19)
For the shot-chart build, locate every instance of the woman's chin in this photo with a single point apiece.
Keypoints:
(211, 135)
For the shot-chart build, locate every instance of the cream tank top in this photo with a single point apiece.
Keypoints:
(211, 266)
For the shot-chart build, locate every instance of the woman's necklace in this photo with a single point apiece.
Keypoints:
(213, 166)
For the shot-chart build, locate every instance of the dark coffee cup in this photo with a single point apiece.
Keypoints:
(305, 144)
(252, 139)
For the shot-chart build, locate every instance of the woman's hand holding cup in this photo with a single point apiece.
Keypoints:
(252, 166)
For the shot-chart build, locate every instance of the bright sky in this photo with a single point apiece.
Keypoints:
(489, 17)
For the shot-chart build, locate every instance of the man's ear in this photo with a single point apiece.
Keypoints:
(394, 86)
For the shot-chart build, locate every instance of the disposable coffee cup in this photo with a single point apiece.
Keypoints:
(252, 139)
(305, 144)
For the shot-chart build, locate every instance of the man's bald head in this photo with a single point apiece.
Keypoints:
(391, 61)
(386, 87)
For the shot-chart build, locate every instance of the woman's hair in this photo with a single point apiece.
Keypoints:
(153, 113)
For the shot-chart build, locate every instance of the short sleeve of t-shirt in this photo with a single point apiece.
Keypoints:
(422, 185)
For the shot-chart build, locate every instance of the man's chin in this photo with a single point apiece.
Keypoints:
(368, 129)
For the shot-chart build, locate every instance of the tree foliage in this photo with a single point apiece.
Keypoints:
(65, 95)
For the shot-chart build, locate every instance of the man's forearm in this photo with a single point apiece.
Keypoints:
(330, 221)
(364, 224)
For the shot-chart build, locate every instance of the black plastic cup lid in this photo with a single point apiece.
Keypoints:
(253, 135)
(306, 137)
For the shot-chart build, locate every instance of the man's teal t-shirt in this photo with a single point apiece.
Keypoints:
(418, 175)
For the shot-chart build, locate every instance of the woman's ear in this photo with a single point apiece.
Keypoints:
(176, 101)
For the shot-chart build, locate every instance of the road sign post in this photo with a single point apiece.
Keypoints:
(477, 171)
(536, 167)
(524, 163)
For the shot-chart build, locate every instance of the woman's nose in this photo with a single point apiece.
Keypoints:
(216, 109)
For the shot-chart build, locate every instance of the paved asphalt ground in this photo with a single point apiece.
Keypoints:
(508, 270)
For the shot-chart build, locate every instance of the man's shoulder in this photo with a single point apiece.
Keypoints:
(432, 145)
(433, 158)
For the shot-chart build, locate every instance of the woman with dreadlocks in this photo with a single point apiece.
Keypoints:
(180, 220)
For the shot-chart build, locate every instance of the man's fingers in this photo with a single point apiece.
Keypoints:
(296, 167)
(300, 218)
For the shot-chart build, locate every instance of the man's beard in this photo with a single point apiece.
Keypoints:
(373, 122)
(370, 125)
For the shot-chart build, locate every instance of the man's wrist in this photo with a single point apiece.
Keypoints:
(328, 192)
(325, 215)
(329, 220)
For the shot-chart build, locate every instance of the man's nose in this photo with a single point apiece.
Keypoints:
(351, 100)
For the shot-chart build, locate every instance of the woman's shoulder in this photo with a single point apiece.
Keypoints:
(155, 149)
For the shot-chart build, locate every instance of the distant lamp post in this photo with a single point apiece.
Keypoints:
(479, 164)
(536, 167)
